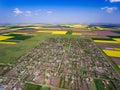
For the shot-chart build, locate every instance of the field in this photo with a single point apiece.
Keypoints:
(66, 57)
(9, 53)
(29, 86)
(109, 42)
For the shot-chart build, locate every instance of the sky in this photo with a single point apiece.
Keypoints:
(60, 11)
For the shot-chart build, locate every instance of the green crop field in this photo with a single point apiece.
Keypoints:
(9, 53)
(29, 86)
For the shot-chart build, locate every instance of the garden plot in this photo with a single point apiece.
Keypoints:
(63, 64)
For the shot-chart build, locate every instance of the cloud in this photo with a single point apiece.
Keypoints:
(27, 13)
(49, 12)
(114, 1)
(17, 11)
(109, 9)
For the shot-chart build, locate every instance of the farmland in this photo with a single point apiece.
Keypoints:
(66, 57)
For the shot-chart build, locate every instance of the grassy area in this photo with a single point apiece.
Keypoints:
(93, 85)
(29, 86)
(27, 28)
(69, 33)
(9, 53)
(99, 84)
(18, 37)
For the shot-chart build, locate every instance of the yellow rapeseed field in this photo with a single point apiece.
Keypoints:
(54, 32)
(99, 28)
(8, 43)
(5, 37)
(78, 26)
(75, 26)
(117, 39)
(23, 33)
(118, 49)
(46, 31)
(112, 53)
(105, 41)
(59, 32)
(36, 27)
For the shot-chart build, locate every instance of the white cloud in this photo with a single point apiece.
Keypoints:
(27, 13)
(49, 12)
(114, 1)
(109, 9)
(17, 11)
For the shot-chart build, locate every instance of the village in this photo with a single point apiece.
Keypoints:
(62, 64)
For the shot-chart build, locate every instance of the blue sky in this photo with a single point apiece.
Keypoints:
(60, 11)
